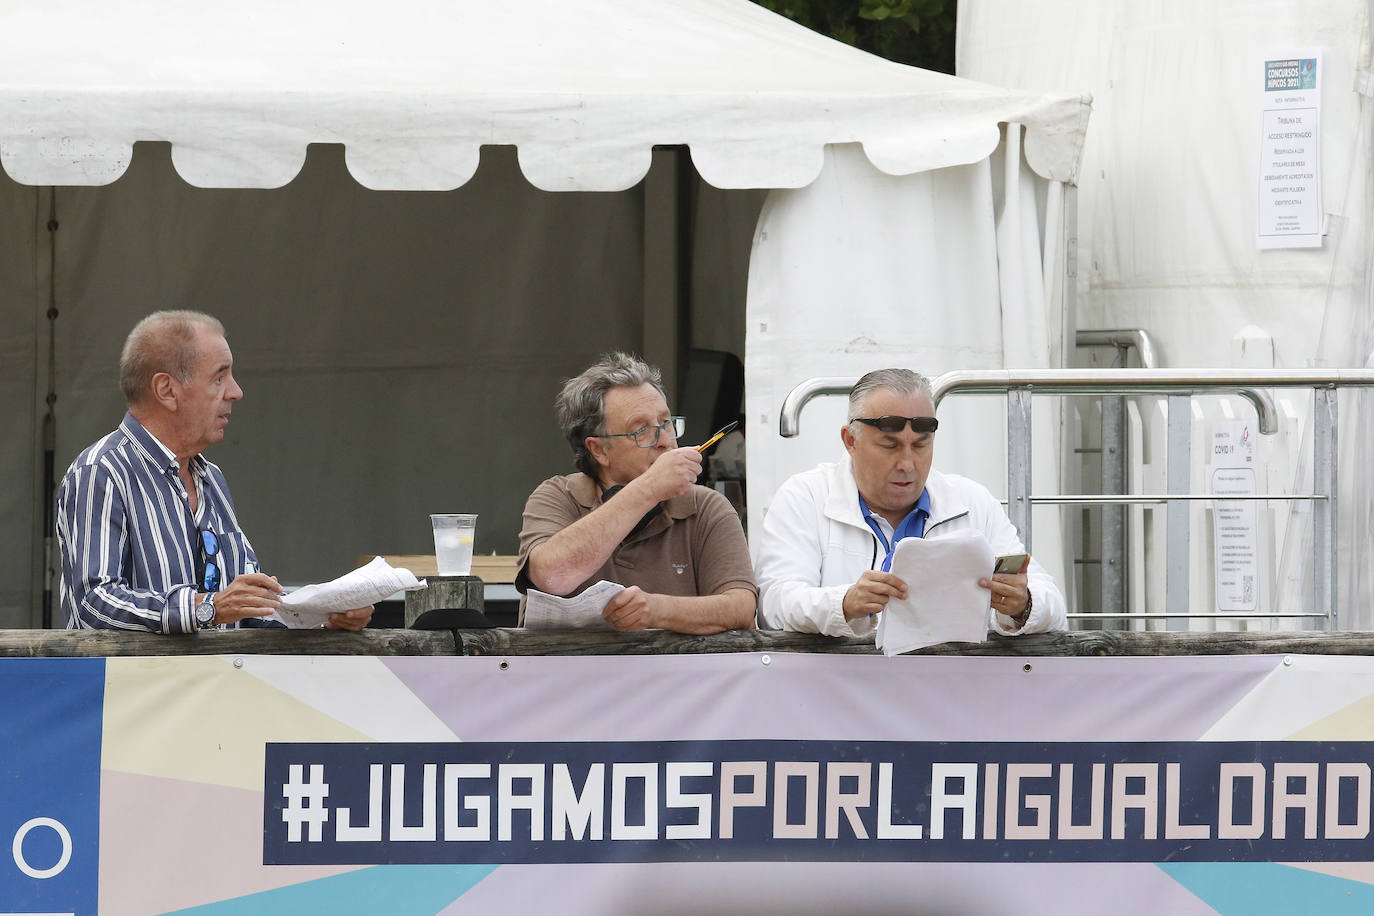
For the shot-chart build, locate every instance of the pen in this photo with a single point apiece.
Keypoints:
(717, 437)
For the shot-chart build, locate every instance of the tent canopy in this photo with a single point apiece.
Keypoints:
(414, 88)
(401, 351)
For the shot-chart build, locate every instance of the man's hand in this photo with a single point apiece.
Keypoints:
(871, 593)
(630, 609)
(249, 595)
(1010, 592)
(671, 474)
(353, 620)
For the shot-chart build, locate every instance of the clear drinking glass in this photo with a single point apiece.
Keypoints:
(453, 536)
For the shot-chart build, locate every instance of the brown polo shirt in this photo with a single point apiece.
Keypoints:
(694, 547)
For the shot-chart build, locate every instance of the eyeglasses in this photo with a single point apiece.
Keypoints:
(209, 549)
(647, 436)
(897, 424)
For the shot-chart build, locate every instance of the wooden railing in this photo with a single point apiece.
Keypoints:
(513, 642)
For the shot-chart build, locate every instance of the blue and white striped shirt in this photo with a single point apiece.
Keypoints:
(129, 544)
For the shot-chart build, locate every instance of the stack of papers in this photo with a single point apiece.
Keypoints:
(311, 605)
(580, 612)
(944, 601)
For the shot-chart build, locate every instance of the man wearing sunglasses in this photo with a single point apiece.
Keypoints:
(145, 525)
(632, 513)
(829, 533)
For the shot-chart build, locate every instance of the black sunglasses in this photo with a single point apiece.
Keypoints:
(209, 549)
(897, 424)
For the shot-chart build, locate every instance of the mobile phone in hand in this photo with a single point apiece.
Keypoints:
(1010, 563)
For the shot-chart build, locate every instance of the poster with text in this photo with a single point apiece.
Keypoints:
(1289, 213)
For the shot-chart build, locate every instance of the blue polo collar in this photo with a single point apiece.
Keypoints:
(913, 526)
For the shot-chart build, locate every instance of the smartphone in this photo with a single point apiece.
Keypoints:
(1010, 563)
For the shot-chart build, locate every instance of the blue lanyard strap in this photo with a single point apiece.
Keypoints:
(913, 526)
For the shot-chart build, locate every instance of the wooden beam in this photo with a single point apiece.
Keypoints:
(499, 641)
(96, 643)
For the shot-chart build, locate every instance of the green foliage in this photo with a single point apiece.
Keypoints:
(915, 32)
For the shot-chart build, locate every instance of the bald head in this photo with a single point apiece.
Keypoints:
(162, 342)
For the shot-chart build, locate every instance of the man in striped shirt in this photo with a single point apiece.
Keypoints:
(145, 525)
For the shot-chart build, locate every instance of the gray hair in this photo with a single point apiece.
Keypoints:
(902, 382)
(581, 406)
(162, 342)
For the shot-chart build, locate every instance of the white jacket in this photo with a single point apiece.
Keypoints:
(816, 544)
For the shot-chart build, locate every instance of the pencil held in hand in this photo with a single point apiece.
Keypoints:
(718, 436)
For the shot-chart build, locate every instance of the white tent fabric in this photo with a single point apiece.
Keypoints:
(931, 272)
(400, 351)
(414, 88)
(1167, 206)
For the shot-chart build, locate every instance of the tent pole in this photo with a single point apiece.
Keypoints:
(665, 251)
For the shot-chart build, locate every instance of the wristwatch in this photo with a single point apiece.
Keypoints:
(205, 612)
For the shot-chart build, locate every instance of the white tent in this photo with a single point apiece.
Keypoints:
(400, 351)
(1168, 230)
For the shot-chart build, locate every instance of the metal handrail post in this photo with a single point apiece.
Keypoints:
(1019, 461)
(1178, 474)
(1324, 454)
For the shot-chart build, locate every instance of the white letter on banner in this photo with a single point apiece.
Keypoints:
(811, 774)
(886, 829)
(848, 802)
(942, 800)
(756, 797)
(1092, 830)
(1040, 804)
(1147, 801)
(577, 812)
(371, 831)
(622, 773)
(1173, 830)
(479, 832)
(62, 860)
(425, 831)
(701, 830)
(1306, 799)
(990, 771)
(1227, 828)
(1334, 829)
(508, 801)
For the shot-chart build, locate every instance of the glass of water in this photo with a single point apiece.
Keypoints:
(453, 543)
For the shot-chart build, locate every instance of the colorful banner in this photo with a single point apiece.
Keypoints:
(732, 783)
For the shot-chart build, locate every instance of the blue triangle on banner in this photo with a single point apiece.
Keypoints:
(1249, 888)
(398, 890)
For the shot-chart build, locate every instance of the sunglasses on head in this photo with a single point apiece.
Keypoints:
(897, 424)
(209, 550)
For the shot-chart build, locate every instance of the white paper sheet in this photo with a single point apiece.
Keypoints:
(580, 612)
(311, 605)
(944, 601)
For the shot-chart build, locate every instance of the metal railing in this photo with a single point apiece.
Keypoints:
(1179, 385)
(1112, 558)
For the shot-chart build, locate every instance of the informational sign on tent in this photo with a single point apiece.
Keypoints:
(1289, 213)
(1235, 528)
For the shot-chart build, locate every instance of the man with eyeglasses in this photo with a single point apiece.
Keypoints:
(829, 533)
(145, 525)
(632, 513)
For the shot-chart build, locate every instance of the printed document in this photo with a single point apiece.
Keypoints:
(580, 612)
(944, 601)
(311, 605)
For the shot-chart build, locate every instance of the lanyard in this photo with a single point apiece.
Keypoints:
(914, 525)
